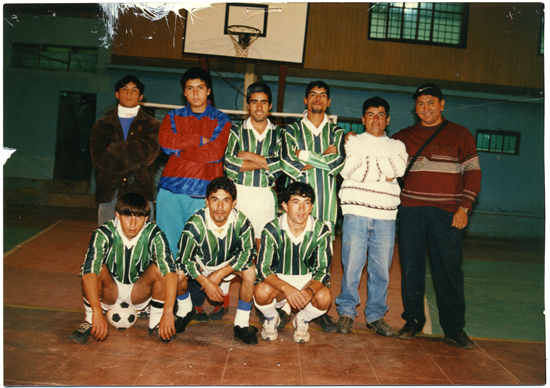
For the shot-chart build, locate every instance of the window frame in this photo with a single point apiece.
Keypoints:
(504, 134)
(41, 52)
(463, 28)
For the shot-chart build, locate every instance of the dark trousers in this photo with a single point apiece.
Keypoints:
(430, 227)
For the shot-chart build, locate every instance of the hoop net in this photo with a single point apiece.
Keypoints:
(242, 37)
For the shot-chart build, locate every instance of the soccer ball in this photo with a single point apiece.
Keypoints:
(122, 316)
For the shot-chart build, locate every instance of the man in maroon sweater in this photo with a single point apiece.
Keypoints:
(435, 203)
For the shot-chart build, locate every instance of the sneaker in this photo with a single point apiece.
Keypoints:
(301, 334)
(461, 340)
(381, 327)
(200, 315)
(325, 321)
(407, 331)
(81, 334)
(269, 331)
(154, 333)
(217, 313)
(344, 325)
(246, 334)
(181, 323)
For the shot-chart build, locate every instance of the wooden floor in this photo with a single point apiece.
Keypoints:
(43, 305)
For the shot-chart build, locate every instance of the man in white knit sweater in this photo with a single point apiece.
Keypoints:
(369, 198)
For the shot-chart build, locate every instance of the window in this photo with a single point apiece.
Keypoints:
(500, 142)
(443, 24)
(541, 47)
(46, 57)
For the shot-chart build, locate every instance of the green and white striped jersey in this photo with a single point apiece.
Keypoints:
(126, 265)
(283, 253)
(200, 245)
(243, 137)
(323, 177)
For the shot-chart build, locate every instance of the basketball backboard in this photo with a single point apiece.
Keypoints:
(277, 32)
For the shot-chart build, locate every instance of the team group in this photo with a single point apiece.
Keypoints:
(283, 261)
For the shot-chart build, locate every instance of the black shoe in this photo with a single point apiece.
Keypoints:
(284, 318)
(461, 340)
(81, 334)
(181, 323)
(246, 334)
(381, 327)
(217, 313)
(154, 333)
(199, 314)
(344, 324)
(145, 312)
(325, 321)
(407, 332)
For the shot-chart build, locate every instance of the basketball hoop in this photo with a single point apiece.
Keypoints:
(242, 37)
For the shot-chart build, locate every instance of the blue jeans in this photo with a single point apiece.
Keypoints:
(431, 227)
(362, 235)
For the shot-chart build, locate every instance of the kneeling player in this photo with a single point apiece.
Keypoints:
(128, 261)
(216, 244)
(294, 264)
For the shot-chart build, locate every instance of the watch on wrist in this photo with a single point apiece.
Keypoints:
(466, 210)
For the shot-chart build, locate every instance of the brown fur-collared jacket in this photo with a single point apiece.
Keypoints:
(126, 164)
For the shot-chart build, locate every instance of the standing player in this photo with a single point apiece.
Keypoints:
(252, 159)
(123, 147)
(195, 137)
(435, 203)
(312, 152)
(216, 244)
(294, 264)
(128, 260)
(369, 197)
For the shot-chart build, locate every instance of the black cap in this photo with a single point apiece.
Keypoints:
(429, 89)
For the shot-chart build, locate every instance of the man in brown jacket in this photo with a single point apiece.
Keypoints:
(124, 146)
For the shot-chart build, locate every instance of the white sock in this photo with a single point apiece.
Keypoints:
(225, 287)
(185, 305)
(309, 313)
(157, 308)
(88, 310)
(269, 311)
(286, 308)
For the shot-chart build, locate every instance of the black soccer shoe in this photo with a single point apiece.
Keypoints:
(154, 333)
(81, 334)
(246, 334)
(181, 323)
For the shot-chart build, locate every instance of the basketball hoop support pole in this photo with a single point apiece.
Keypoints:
(249, 79)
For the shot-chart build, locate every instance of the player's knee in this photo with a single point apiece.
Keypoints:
(249, 275)
(262, 294)
(323, 298)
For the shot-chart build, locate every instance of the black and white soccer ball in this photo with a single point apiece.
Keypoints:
(122, 316)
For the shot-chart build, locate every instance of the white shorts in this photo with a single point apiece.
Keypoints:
(125, 295)
(258, 204)
(297, 281)
(208, 270)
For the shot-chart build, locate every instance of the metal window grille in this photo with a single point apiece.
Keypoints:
(443, 24)
(499, 142)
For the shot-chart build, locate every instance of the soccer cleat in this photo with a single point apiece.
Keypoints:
(181, 323)
(217, 313)
(154, 333)
(301, 334)
(246, 334)
(81, 334)
(200, 315)
(269, 331)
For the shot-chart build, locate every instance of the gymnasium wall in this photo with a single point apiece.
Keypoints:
(511, 202)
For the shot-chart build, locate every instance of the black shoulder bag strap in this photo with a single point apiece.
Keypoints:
(402, 180)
